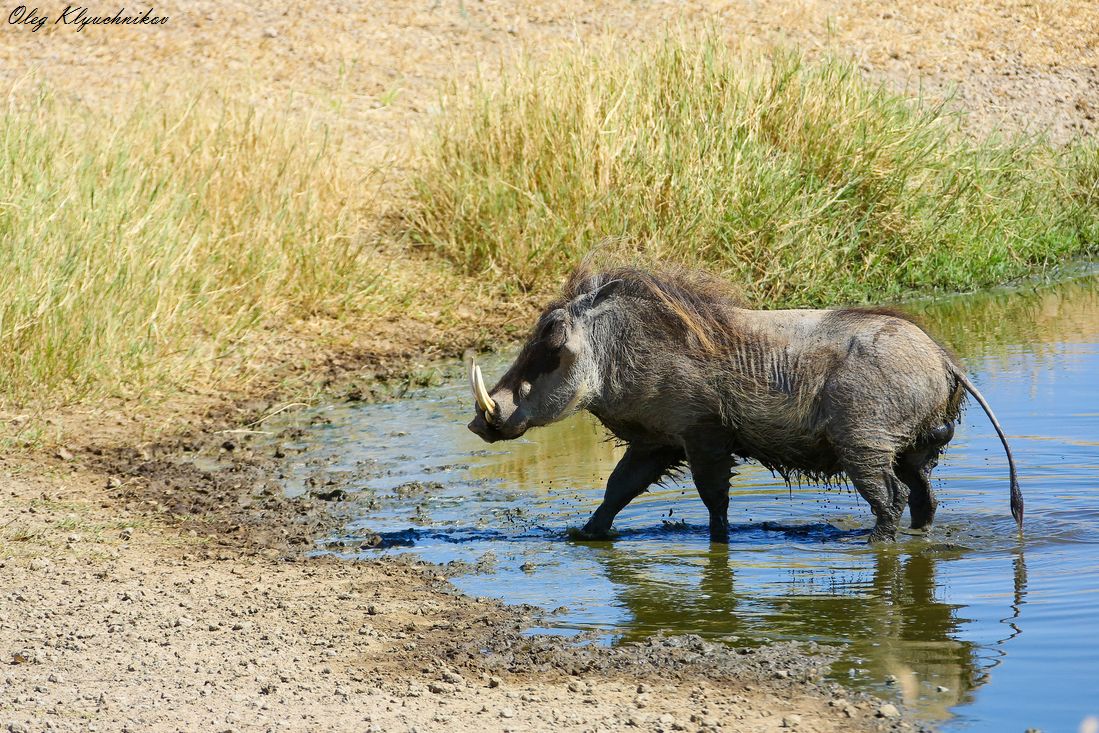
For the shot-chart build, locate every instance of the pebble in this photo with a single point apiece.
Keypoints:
(507, 712)
(889, 710)
(126, 533)
(494, 681)
(184, 622)
(940, 688)
(791, 721)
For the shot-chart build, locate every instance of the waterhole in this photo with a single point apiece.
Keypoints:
(967, 625)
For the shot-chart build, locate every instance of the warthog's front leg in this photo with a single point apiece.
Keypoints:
(639, 468)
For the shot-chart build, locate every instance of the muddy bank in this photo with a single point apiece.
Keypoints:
(167, 587)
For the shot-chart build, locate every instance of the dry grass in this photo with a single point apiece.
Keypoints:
(151, 243)
(802, 181)
(141, 250)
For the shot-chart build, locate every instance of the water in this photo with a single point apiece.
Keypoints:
(979, 632)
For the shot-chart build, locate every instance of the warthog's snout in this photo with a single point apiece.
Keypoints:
(498, 416)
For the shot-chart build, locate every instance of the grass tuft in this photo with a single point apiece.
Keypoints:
(142, 249)
(804, 182)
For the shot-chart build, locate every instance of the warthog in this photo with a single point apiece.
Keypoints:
(676, 368)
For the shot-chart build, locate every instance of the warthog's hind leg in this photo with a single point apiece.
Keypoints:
(887, 495)
(637, 471)
(914, 468)
(711, 468)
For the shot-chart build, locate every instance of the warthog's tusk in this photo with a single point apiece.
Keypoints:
(477, 382)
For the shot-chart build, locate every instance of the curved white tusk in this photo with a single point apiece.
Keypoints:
(477, 384)
(473, 382)
(481, 393)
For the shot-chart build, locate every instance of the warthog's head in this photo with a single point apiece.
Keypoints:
(555, 375)
(613, 335)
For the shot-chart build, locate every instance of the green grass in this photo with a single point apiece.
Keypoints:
(803, 182)
(144, 248)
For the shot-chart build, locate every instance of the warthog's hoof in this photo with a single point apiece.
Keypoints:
(588, 533)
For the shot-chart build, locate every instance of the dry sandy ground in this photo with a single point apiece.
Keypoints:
(136, 595)
(377, 67)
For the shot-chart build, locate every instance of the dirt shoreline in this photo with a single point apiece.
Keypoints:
(147, 590)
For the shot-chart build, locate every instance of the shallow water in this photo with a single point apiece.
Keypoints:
(977, 631)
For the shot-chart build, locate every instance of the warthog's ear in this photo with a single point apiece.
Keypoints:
(588, 301)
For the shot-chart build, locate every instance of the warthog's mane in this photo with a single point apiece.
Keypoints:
(691, 302)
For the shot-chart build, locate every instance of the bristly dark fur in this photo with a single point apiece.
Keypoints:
(692, 299)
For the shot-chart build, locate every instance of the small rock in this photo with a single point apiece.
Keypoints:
(184, 622)
(791, 721)
(372, 610)
(114, 482)
(270, 33)
(782, 674)
(40, 563)
(940, 688)
(64, 454)
(891, 679)
(507, 712)
(494, 681)
(17, 727)
(575, 686)
(126, 533)
(888, 710)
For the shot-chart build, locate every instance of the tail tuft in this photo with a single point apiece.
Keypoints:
(1017, 503)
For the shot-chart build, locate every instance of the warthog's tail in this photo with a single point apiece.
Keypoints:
(1016, 493)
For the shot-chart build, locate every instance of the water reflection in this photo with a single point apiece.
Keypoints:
(886, 606)
(1042, 316)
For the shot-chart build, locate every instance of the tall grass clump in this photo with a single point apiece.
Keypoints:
(146, 246)
(801, 180)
